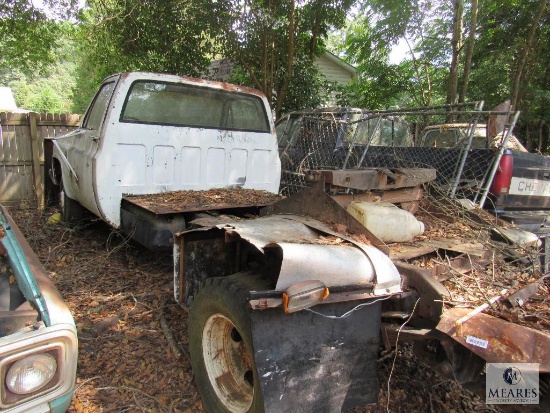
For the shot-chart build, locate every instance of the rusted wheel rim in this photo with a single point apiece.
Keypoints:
(228, 363)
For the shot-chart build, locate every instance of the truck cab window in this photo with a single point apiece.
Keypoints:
(182, 105)
(97, 110)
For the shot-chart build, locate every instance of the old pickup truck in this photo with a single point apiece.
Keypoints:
(286, 296)
(187, 164)
(38, 340)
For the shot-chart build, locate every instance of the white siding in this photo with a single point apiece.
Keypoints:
(333, 72)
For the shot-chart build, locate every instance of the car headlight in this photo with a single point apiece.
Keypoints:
(31, 373)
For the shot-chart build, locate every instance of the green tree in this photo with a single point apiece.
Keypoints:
(160, 36)
(272, 44)
(276, 41)
(511, 61)
(48, 89)
(45, 101)
(367, 44)
(29, 35)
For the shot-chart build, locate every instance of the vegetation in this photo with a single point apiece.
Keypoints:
(464, 50)
(459, 50)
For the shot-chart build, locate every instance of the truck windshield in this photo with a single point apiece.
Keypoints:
(184, 105)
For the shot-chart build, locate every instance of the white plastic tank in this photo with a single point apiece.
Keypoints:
(388, 222)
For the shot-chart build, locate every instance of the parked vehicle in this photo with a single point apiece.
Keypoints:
(286, 296)
(519, 192)
(458, 135)
(38, 339)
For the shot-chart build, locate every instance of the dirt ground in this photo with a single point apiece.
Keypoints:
(120, 294)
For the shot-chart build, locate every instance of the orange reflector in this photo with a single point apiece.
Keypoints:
(304, 294)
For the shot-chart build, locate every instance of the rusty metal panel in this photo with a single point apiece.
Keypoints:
(430, 306)
(394, 196)
(315, 203)
(506, 342)
(173, 202)
(306, 258)
(520, 297)
(372, 178)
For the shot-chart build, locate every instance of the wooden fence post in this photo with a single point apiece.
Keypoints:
(37, 174)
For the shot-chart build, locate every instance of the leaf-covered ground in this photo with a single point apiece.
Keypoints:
(118, 293)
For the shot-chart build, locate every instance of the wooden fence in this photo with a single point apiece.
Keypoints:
(22, 154)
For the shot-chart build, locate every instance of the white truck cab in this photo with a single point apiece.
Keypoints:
(147, 133)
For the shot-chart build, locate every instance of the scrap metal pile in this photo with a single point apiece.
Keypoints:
(365, 155)
(481, 271)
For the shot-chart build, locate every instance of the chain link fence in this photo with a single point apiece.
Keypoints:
(464, 148)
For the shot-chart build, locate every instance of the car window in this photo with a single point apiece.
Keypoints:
(98, 108)
(183, 105)
(386, 132)
(286, 128)
(436, 138)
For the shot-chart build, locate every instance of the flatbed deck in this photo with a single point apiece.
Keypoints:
(176, 202)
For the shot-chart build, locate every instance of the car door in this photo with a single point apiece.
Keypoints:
(83, 145)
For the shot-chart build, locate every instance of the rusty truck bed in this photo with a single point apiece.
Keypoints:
(175, 202)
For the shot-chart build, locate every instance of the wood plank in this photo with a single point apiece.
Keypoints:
(419, 248)
(35, 155)
(15, 184)
(458, 245)
(407, 252)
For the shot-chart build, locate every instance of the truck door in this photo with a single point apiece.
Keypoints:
(84, 145)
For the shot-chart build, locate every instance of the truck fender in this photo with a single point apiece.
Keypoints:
(288, 251)
(59, 155)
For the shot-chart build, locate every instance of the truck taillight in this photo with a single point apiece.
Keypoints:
(503, 176)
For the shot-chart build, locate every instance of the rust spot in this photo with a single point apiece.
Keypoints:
(507, 342)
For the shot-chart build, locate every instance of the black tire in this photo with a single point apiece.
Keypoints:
(220, 345)
(73, 213)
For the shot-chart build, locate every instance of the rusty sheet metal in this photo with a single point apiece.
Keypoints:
(315, 203)
(305, 258)
(372, 178)
(506, 342)
(433, 293)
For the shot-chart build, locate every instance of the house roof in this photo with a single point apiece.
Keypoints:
(222, 68)
(336, 60)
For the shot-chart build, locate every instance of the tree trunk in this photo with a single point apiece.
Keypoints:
(469, 52)
(284, 87)
(525, 53)
(456, 43)
(425, 93)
